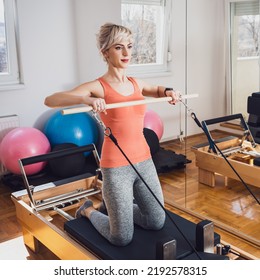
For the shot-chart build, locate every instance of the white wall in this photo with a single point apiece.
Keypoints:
(58, 51)
(48, 55)
(90, 15)
(245, 82)
(206, 58)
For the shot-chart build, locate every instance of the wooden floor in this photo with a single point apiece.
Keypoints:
(236, 215)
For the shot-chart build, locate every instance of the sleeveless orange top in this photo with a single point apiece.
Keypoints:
(126, 124)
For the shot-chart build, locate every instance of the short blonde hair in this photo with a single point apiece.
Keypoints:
(111, 34)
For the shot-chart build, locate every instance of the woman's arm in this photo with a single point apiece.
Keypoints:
(90, 93)
(158, 91)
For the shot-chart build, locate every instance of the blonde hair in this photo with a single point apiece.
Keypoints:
(111, 34)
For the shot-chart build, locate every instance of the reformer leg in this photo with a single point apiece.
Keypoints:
(30, 241)
(207, 177)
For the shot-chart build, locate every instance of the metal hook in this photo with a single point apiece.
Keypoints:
(99, 121)
(107, 130)
(190, 111)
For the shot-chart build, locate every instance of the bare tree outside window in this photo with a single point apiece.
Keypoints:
(143, 20)
(249, 35)
(244, 53)
(10, 74)
(3, 49)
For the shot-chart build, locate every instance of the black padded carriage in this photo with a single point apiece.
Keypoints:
(144, 244)
(253, 109)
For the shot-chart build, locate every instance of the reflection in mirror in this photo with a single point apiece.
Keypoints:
(244, 52)
(212, 190)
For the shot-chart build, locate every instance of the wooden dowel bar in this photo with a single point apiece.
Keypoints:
(123, 104)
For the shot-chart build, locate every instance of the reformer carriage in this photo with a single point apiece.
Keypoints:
(46, 212)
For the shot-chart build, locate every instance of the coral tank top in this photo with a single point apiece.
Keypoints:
(126, 124)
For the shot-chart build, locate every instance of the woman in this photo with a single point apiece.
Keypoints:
(120, 182)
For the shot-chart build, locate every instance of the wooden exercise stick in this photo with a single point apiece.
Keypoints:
(87, 108)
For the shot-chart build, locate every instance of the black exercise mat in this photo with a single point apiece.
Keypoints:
(143, 246)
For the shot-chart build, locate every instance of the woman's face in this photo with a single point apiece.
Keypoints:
(119, 55)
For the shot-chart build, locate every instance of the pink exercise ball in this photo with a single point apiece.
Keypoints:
(154, 122)
(23, 142)
(0, 153)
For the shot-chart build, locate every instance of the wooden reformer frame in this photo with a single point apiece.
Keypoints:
(239, 151)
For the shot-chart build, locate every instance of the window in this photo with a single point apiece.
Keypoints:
(244, 52)
(150, 22)
(246, 25)
(9, 70)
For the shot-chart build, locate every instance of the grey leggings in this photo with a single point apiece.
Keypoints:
(120, 186)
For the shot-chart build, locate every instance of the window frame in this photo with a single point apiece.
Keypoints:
(229, 28)
(152, 69)
(13, 76)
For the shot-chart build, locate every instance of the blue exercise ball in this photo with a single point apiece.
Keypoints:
(80, 129)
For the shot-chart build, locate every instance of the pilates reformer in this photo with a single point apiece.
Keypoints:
(241, 151)
(46, 213)
(43, 208)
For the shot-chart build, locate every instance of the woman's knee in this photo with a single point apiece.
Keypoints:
(122, 239)
(158, 221)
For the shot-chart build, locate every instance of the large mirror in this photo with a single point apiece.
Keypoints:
(213, 189)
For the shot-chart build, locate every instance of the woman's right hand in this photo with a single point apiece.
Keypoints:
(98, 104)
